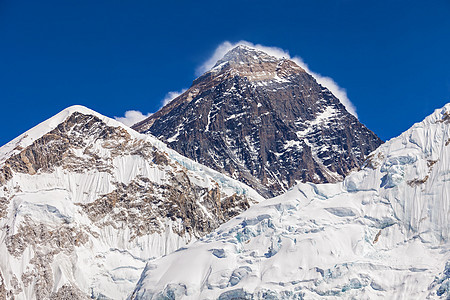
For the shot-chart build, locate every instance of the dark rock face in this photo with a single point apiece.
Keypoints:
(263, 121)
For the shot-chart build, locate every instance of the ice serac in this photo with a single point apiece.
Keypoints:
(383, 233)
(264, 121)
(86, 201)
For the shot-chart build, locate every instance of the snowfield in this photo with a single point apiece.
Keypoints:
(382, 233)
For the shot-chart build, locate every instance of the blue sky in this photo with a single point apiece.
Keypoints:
(392, 57)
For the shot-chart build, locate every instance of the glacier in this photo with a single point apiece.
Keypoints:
(382, 233)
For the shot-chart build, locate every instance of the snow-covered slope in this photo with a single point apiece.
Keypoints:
(85, 201)
(383, 233)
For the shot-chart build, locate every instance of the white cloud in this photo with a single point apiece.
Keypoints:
(327, 82)
(132, 117)
(172, 95)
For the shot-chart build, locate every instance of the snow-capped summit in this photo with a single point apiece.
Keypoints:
(264, 121)
(25, 139)
(383, 233)
(255, 65)
(242, 54)
(85, 201)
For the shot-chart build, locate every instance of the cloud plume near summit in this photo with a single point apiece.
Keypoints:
(172, 95)
(325, 81)
(132, 117)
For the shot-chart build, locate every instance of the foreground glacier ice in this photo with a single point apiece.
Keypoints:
(383, 233)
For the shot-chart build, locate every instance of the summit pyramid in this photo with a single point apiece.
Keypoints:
(264, 121)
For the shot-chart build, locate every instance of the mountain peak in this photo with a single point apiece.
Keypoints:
(79, 178)
(26, 139)
(243, 54)
(264, 120)
(255, 65)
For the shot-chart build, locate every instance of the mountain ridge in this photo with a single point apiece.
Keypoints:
(85, 201)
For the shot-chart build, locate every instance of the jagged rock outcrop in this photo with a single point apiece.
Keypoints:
(85, 201)
(68, 292)
(141, 204)
(264, 121)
